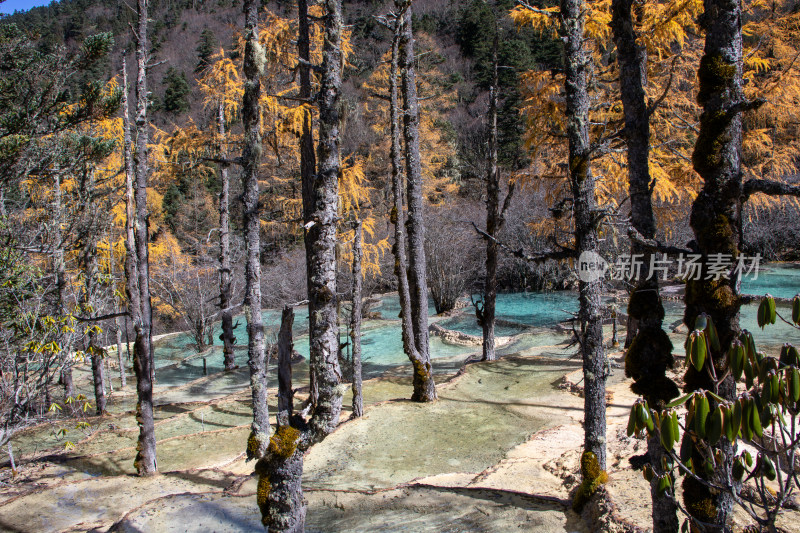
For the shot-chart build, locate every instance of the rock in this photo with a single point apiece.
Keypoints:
(455, 337)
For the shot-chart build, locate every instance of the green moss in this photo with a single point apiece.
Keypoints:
(254, 445)
(284, 442)
(714, 75)
(593, 477)
(590, 466)
(712, 137)
(262, 498)
(698, 500)
(262, 491)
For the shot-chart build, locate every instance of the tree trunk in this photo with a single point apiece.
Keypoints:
(227, 337)
(88, 260)
(398, 212)
(117, 323)
(285, 348)
(118, 334)
(424, 386)
(648, 359)
(715, 220)
(280, 495)
(308, 158)
(355, 320)
(59, 265)
(487, 312)
(251, 113)
(145, 462)
(595, 367)
(280, 491)
(324, 196)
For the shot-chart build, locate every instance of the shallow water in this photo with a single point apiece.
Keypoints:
(520, 315)
(780, 280)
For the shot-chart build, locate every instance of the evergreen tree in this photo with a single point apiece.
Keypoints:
(206, 47)
(176, 92)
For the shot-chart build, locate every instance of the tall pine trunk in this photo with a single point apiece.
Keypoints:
(595, 368)
(88, 261)
(251, 115)
(715, 221)
(324, 196)
(650, 350)
(59, 265)
(398, 217)
(279, 493)
(117, 323)
(145, 462)
(355, 319)
(424, 386)
(308, 158)
(228, 339)
(487, 312)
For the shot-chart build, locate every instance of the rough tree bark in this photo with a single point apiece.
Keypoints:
(88, 261)
(145, 462)
(227, 337)
(280, 470)
(715, 220)
(424, 386)
(308, 158)
(486, 314)
(355, 320)
(280, 491)
(595, 367)
(398, 212)
(650, 350)
(59, 265)
(117, 326)
(251, 113)
(321, 230)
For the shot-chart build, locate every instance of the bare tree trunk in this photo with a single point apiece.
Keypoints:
(131, 261)
(398, 211)
(117, 323)
(285, 349)
(60, 268)
(280, 495)
(280, 491)
(648, 359)
(424, 386)
(595, 367)
(225, 253)
(715, 220)
(355, 320)
(251, 113)
(145, 462)
(308, 158)
(88, 261)
(486, 315)
(322, 296)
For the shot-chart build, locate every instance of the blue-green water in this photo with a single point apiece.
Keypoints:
(516, 312)
(519, 311)
(780, 280)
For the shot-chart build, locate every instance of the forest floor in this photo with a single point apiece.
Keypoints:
(499, 451)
